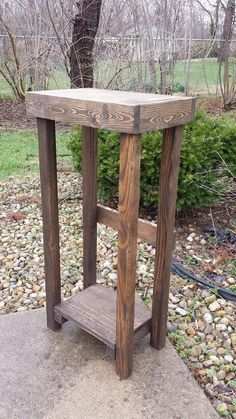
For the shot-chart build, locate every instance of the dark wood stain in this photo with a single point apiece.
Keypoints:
(165, 228)
(130, 154)
(89, 164)
(94, 310)
(146, 230)
(118, 319)
(48, 177)
(128, 112)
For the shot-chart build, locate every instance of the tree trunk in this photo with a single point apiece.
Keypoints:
(84, 32)
(227, 85)
(227, 31)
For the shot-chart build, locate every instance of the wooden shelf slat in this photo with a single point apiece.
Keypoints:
(94, 310)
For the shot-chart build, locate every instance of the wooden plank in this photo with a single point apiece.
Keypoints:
(48, 176)
(94, 310)
(110, 217)
(89, 168)
(113, 110)
(127, 249)
(166, 115)
(146, 230)
(107, 216)
(59, 319)
(84, 112)
(107, 96)
(166, 220)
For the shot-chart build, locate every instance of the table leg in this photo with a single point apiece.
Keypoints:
(127, 250)
(48, 176)
(89, 164)
(165, 233)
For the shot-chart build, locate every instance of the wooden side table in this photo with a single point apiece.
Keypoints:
(118, 319)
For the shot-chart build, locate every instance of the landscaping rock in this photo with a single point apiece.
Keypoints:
(208, 318)
(222, 409)
(181, 311)
(214, 306)
(200, 325)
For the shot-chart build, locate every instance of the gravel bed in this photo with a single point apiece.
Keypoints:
(201, 325)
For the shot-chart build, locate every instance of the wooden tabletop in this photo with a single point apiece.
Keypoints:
(128, 112)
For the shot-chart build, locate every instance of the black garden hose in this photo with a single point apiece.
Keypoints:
(179, 270)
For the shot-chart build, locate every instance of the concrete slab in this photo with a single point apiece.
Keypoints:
(67, 375)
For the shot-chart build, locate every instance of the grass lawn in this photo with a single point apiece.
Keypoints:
(59, 80)
(5, 91)
(19, 152)
(203, 77)
(203, 74)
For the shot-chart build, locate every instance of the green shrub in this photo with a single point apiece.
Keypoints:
(202, 176)
(176, 87)
(229, 144)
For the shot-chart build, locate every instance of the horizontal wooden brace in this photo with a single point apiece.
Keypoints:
(146, 230)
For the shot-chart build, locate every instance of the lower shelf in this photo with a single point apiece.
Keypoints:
(94, 310)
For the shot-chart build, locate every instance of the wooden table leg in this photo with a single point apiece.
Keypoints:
(165, 233)
(89, 164)
(48, 176)
(127, 250)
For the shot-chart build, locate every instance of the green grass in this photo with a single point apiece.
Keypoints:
(19, 152)
(203, 76)
(5, 90)
(59, 80)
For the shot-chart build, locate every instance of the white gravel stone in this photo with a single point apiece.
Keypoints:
(112, 277)
(190, 238)
(231, 281)
(174, 300)
(142, 269)
(221, 375)
(214, 306)
(106, 264)
(221, 327)
(208, 318)
(203, 332)
(181, 311)
(228, 358)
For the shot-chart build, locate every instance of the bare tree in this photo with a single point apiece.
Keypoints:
(229, 11)
(188, 46)
(144, 45)
(227, 80)
(29, 50)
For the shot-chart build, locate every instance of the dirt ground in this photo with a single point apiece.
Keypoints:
(13, 116)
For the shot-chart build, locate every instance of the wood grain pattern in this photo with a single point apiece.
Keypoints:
(114, 110)
(129, 182)
(166, 220)
(167, 114)
(48, 176)
(94, 310)
(89, 169)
